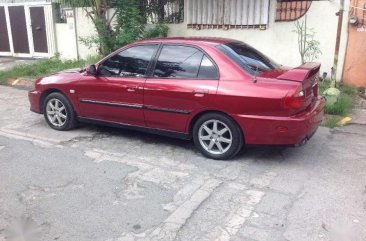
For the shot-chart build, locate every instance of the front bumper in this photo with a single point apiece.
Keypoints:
(34, 97)
(273, 130)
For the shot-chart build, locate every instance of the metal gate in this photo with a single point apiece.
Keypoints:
(4, 38)
(26, 30)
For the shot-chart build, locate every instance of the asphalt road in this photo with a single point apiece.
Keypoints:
(98, 183)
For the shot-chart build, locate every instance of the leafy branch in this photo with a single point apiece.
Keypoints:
(308, 47)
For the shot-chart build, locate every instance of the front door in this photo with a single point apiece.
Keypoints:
(38, 29)
(116, 93)
(18, 26)
(184, 82)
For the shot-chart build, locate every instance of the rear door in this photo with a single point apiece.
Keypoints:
(183, 82)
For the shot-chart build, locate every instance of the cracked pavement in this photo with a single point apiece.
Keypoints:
(98, 183)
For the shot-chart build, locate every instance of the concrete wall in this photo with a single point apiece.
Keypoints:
(277, 41)
(66, 41)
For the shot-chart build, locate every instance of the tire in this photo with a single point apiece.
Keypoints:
(227, 134)
(58, 112)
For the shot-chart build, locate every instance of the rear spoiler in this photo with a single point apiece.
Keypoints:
(301, 73)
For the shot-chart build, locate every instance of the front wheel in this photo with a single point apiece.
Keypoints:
(59, 112)
(217, 136)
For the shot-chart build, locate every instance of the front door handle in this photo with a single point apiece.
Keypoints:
(133, 88)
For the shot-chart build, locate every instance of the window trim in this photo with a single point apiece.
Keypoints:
(151, 73)
(100, 63)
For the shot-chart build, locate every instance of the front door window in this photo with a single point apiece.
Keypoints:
(132, 62)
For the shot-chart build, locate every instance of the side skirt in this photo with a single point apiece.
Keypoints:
(173, 134)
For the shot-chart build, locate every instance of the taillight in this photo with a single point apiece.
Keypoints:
(315, 88)
(295, 99)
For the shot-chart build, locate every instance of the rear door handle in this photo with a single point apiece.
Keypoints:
(200, 93)
(132, 88)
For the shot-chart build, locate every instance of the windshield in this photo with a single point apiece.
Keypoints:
(248, 58)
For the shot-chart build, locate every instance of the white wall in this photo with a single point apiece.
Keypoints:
(279, 42)
(84, 28)
(68, 36)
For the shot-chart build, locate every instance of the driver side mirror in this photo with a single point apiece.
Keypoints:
(91, 70)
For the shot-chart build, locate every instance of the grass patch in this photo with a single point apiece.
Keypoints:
(323, 85)
(331, 121)
(346, 101)
(343, 106)
(44, 67)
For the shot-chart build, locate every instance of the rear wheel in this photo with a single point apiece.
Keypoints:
(58, 112)
(217, 136)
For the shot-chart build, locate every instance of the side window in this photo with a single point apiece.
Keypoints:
(131, 62)
(207, 70)
(178, 62)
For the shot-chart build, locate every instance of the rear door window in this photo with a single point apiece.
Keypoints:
(207, 69)
(184, 62)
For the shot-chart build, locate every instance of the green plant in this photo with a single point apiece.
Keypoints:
(127, 24)
(343, 106)
(44, 67)
(96, 11)
(348, 90)
(158, 30)
(308, 47)
(331, 121)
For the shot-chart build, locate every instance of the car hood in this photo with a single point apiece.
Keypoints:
(64, 76)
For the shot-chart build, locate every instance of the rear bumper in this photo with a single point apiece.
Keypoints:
(273, 130)
(34, 97)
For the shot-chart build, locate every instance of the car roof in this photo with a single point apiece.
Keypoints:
(190, 40)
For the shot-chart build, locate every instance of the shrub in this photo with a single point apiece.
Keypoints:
(343, 106)
(44, 67)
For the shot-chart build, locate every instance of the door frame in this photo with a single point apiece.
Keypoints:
(49, 24)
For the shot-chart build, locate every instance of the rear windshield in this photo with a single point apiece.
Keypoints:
(247, 57)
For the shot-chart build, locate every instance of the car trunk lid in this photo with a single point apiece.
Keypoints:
(307, 75)
(306, 91)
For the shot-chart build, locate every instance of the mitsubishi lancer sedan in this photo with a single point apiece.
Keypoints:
(221, 93)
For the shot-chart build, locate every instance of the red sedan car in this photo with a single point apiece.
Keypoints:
(221, 93)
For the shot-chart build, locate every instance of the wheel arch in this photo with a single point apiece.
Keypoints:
(48, 92)
(202, 113)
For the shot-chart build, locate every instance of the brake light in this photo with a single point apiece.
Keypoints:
(295, 99)
(315, 88)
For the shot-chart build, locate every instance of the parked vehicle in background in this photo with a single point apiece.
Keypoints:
(221, 93)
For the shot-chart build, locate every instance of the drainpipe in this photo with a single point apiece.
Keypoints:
(338, 41)
(332, 93)
(76, 33)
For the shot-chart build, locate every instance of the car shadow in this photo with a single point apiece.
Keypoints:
(256, 153)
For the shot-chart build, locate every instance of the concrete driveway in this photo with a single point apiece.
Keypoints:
(97, 183)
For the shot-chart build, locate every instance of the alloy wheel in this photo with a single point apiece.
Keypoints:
(215, 137)
(56, 112)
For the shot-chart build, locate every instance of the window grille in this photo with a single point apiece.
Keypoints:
(287, 10)
(227, 14)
